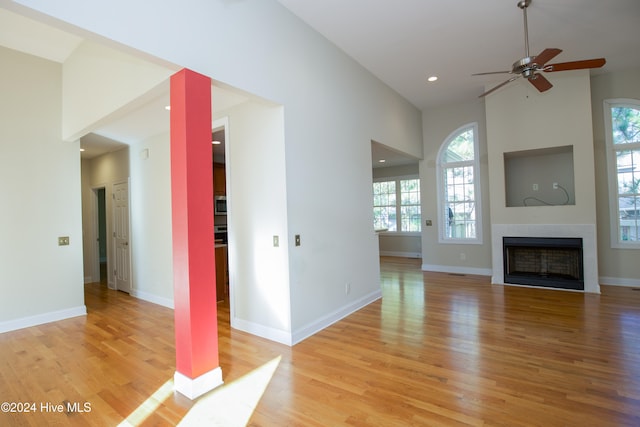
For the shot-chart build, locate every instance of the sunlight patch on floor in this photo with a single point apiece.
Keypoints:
(228, 405)
(149, 406)
(232, 404)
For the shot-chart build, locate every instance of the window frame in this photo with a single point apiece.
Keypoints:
(441, 169)
(397, 180)
(612, 170)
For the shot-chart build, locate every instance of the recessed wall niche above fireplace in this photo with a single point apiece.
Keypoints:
(554, 262)
(539, 177)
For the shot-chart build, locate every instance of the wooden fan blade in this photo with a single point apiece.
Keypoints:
(540, 82)
(576, 65)
(546, 56)
(491, 72)
(499, 86)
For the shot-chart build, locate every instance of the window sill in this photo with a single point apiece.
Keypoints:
(401, 233)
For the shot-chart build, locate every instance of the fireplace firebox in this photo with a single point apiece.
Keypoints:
(554, 262)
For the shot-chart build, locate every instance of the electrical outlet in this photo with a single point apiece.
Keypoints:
(429, 223)
(63, 241)
(555, 185)
(463, 256)
(535, 187)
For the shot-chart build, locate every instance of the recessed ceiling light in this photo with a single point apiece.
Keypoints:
(381, 161)
(167, 107)
(432, 78)
(216, 142)
(82, 149)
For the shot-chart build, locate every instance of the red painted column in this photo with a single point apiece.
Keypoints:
(196, 327)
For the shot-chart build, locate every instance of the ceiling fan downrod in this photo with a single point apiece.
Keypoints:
(523, 4)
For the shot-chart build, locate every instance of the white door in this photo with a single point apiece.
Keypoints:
(121, 237)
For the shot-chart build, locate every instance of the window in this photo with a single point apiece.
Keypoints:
(622, 123)
(397, 198)
(459, 190)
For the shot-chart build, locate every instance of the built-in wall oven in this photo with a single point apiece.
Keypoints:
(220, 233)
(220, 205)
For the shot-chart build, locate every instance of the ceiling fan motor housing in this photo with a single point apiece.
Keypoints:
(524, 66)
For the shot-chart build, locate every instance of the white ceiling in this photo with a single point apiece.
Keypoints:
(141, 120)
(405, 41)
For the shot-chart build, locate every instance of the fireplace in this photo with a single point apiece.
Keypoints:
(554, 262)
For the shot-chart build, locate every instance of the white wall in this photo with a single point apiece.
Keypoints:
(438, 124)
(519, 118)
(98, 80)
(333, 108)
(616, 266)
(150, 193)
(40, 280)
(257, 203)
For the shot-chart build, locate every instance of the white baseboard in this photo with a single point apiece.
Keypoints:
(290, 339)
(39, 319)
(196, 387)
(619, 281)
(457, 270)
(331, 318)
(165, 302)
(401, 254)
(272, 334)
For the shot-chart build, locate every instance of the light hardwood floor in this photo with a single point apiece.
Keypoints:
(437, 349)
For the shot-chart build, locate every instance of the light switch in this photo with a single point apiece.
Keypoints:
(297, 240)
(276, 241)
(63, 241)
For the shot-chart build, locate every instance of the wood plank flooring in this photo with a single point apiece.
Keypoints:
(436, 350)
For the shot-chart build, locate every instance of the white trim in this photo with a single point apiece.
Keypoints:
(331, 318)
(612, 171)
(306, 331)
(457, 270)
(39, 319)
(460, 242)
(401, 254)
(619, 281)
(549, 288)
(396, 178)
(401, 233)
(272, 334)
(196, 387)
(478, 240)
(146, 296)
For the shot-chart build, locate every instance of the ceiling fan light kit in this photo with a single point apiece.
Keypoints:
(530, 67)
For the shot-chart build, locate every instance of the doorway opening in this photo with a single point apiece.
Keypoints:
(219, 139)
(101, 239)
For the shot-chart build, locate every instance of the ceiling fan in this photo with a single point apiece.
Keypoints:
(529, 67)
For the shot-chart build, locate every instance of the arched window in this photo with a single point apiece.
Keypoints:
(459, 212)
(622, 124)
